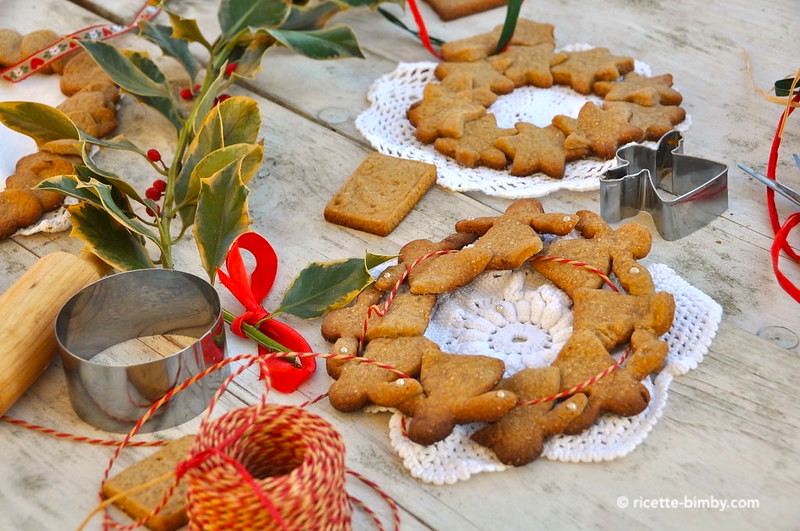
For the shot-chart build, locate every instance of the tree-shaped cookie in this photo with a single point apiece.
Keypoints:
(581, 70)
(458, 389)
(518, 438)
(602, 131)
(621, 392)
(600, 246)
(527, 33)
(526, 65)
(536, 149)
(656, 121)
(442, 113)
(361, 383)
(477, 145)
(639, 89)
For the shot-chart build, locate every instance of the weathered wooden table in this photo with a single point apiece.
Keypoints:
(730, 429)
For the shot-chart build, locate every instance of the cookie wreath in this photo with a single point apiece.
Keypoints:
(474, 410)
(464, 106)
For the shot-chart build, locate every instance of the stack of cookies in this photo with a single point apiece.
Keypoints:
(439, 390)
(453, 113)
(91, 105)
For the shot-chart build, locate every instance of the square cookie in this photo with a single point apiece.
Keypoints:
(452, 9)
(380, 193)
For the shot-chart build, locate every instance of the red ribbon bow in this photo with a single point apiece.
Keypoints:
(251, 291)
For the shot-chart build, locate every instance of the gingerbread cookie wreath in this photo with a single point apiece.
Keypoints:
(440, 390)
(91, 104)
(453, 113)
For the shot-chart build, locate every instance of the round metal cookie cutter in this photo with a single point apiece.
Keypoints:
(113, 396)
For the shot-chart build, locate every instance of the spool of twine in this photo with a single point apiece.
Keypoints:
(267, 467)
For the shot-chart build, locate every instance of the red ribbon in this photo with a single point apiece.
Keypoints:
(251, 290)
(781, 230)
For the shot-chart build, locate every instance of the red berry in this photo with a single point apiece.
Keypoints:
(150, 212)
(153, 155)
(153, 193)
(221, 98)
(230, 69)
(160, 185)
(196, 89)
(187, 94)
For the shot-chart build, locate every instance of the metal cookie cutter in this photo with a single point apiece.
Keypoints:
(681, 193)
(113, 394)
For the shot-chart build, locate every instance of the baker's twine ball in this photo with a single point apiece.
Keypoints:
(267, 467)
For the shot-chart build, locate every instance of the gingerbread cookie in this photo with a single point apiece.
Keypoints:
(362, 383)
(10, 52)
(477, 145)
(453, 9)
(580, 70)
(457, 389)
(35, 41)
(534, 149)
(18, 208)
(601, 131)
(656, 120)
(484, 75)
(518, 438)
(82, 71)
(639, 89)
(526, 33)
(526, 65)
(442, 113)
(465, 82)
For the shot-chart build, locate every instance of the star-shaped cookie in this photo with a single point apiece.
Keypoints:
(535, 149)
(655, 121)
(527, 33)
(484, 75)
(526, 65)
(639, 89)
(476, 146)
(442, 113)
(581, 70)
(600, 131)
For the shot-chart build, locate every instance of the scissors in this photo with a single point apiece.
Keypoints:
(775, 185)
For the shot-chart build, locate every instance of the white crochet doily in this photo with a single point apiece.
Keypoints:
(501, 314)
(385, 126)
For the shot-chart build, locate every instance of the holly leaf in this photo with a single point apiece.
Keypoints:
(249, 156)
(323, 287)
(186, 28)
(171, 46)
(374, 260)
(107, 238)
(237, 15)
(249, 58)
(234, 121)
(221, 213)
(310, 17)
(163, 104)
(123, 71)
(39, 121)
(331, 43)
(72, 186)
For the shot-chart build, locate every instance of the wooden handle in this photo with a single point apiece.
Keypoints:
(27, 315)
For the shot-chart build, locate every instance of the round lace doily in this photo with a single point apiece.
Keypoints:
(503, 313)
(385, 126)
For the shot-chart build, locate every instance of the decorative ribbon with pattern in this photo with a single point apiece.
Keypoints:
(67, 44)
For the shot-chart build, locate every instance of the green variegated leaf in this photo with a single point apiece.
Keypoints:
(186, 28)
(164, 105)
(171, 46)
(248, 155)
(331, 43)
(250, 57)
(310, 17)
(107, 238)
(234, 121)
(206, 102)
(237, 15)
(72, 186)
(323, 287)
(39, 121)
(123, 72)
(374, 260)
(107, 197)
(221, 214)
(122, 188)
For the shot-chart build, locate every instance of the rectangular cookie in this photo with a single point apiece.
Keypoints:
(138, 504)
(380, 193)
(452, 9)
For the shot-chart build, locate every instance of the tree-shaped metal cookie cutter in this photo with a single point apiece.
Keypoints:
(681, 193)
